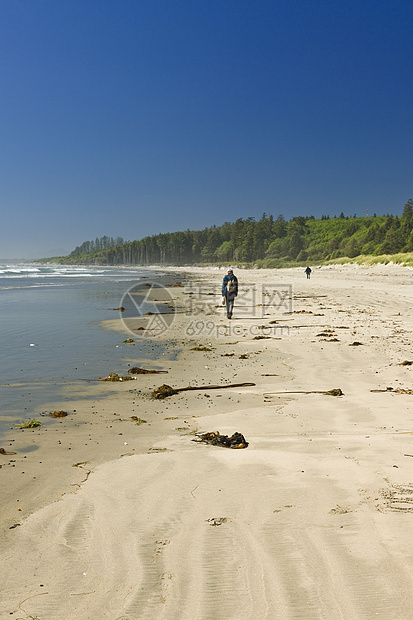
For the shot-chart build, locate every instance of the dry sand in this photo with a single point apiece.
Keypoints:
(106, 519)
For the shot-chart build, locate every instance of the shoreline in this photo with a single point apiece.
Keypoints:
(174, 523)
(36, 451)
(51, 335)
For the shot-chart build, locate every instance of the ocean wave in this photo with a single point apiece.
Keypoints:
(16, 287)
(17, 272)
(14, 270)
(33, 275)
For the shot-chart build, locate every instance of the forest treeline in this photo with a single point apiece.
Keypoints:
(267, 242)
(100, 243)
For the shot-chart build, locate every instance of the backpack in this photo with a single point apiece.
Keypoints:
(232, 286)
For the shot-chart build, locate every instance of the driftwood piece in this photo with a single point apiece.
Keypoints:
(166, 390)
(333, 392)
(214, 387)
(395, 390)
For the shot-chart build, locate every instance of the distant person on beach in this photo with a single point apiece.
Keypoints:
(229, 291)
(308, 272)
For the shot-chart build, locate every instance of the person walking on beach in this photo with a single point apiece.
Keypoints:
(308, 272)
(229, 290)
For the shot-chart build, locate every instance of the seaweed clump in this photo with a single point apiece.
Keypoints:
(144, 371)
(114, 377)
(30, 424)
(58, 414)
(216, 439)
(163, 391)
(3, 451)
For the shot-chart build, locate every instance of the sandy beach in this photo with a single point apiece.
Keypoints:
(105, 517)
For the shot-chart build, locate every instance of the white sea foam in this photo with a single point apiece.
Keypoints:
(17, 269)
(51, 275)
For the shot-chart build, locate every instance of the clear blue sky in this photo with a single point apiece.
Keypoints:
(128, 118)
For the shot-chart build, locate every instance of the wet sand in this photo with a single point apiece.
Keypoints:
(105, 518)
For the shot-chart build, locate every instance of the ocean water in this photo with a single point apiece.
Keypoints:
(50, 332)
